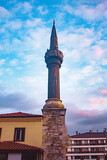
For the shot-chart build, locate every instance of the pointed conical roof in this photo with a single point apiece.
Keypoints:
(54, 39)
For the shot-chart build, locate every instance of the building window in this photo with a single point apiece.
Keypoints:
(85, 142)
(76, 142)
(0, 132)
(84, 149)
(101, 141)
(94, 157)
(77, 157)
(101, 149)
(101, 157)
(77, 150)
(93, 149)
(92, 142)
(19, 134)
(85, 157)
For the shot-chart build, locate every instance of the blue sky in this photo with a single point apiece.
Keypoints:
(25, 29)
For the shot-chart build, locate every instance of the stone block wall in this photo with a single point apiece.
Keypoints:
(54, 134)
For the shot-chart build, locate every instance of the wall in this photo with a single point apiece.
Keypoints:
(32, 125)
(14, 156)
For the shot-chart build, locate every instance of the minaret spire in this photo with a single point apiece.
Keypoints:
(53, 39)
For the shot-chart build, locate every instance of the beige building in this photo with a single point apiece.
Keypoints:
(20, 136)
(87, 146)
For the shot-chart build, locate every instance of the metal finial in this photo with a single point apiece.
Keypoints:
(53, 22)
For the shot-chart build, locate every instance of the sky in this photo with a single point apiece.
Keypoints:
(25, 29)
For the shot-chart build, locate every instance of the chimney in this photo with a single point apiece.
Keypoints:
(105, 131)
(76, 132)
(90, 131)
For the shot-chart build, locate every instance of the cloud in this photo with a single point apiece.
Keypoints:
(43, 9)
(14, 62)
(1, 71)
(82, 66)
(27, 40)
(4, 13)
(1, 46)
(98, 51)
(104, 62)
(103, 91)
(77, 36)
(13, 25)
(23, 8)
(84, 120)
(34, 84)
(2, 61)
(17, 101)
(27, 59)
(97, 102)
(98, 98)
(88, 76)
(27, 7)
(88, 12)
(9, 71)
(34, 22)
(97, 119)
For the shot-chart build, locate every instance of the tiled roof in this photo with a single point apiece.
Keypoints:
(10, 146)
(90, 135)
(18, 114)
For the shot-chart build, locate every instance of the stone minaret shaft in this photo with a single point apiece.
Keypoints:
(54, 130)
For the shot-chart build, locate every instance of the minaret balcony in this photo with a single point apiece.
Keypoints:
(53, 56)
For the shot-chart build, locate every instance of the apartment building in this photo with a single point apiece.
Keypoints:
(87, 146)
(21, 136)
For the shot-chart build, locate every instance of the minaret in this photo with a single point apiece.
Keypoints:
(54, 132)
(53, 59)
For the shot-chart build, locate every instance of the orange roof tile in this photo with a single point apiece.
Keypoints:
(10, 146)
(18, 114)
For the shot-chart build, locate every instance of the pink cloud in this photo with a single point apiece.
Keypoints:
(103, 91)
(99, 51)
(84, 113)
(97, 102)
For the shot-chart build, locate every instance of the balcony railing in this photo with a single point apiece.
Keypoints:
(88, 144)
(73, 152)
